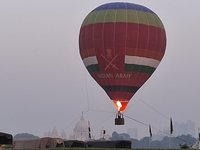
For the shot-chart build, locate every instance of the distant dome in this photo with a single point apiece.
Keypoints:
(81, 131)
(81, 126)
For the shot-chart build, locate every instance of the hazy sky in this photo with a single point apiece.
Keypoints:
(44, 84)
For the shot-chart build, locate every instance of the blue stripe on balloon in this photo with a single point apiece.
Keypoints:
(118, 5)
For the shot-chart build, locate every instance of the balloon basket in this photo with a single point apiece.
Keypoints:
(119, 120)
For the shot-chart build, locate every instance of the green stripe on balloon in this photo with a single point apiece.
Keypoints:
(132, 16)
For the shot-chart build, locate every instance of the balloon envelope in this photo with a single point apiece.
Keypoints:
(121, 45)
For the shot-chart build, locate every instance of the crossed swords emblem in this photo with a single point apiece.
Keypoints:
(110, 63)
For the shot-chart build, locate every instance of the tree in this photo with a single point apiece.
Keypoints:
(25, 136)
(122, 136)
(115, 136)
(183, 139)
(135, 143)
(125, 136)
(147, 143)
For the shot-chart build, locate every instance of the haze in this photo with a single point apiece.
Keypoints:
(44, 84)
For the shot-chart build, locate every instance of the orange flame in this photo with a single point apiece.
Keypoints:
(119, 105)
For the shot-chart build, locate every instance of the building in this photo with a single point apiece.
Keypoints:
(167, 132)
(186, 128)
(104, 134)
(158, 136)
(54, 133)
(132, 132)
(81, 131)
(63, 135)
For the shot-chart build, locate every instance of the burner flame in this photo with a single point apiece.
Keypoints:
(119, 105)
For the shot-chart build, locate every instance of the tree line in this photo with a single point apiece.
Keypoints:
(146, 142)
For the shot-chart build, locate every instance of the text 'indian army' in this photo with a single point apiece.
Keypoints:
(117, 75)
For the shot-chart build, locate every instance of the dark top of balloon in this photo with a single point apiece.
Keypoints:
(123, 5)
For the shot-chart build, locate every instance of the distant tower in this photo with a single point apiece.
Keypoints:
(63, 135)
(104, 135)
(54, 133)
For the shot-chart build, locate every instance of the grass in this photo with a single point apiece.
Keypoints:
(88, 148)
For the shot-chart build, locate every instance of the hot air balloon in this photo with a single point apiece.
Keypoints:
(121, 45)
